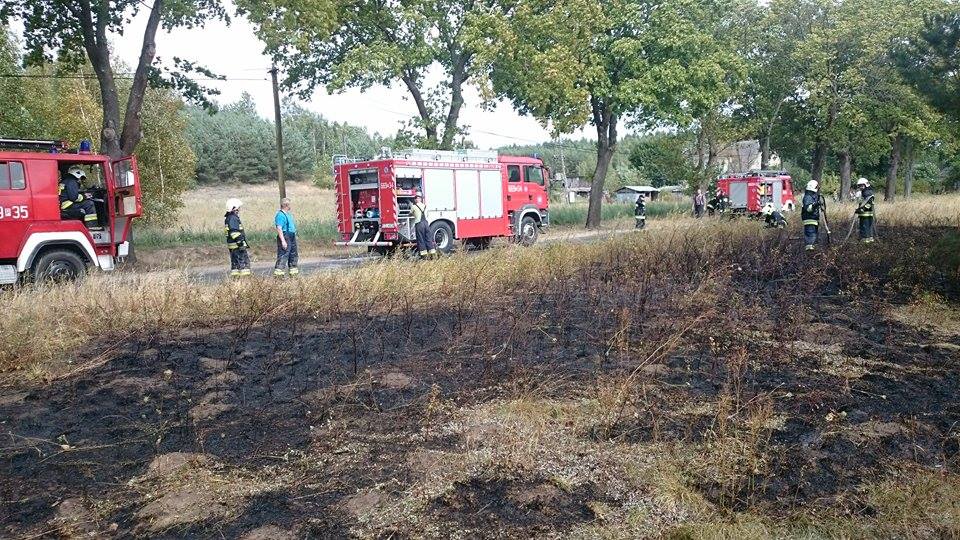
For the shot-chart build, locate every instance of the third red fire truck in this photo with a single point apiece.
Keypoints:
(749, 192)
(470, 195)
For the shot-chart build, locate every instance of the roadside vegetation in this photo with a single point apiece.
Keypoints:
(705, 380)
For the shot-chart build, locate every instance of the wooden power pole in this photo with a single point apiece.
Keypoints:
(279, 123)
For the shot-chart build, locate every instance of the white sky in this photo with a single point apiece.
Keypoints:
(235, 52)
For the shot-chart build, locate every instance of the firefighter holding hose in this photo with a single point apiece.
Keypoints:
(426, 246)
(865, 210)
(640, 212)
(813, 206)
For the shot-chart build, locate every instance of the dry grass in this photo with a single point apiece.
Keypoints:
(203, 207)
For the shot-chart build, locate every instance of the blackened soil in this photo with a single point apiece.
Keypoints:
(356, 393)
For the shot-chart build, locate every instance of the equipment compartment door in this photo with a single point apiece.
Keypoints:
(738, 194)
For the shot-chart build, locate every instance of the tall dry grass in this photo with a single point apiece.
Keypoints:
(45, 327)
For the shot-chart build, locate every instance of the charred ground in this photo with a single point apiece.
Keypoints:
(643, 392)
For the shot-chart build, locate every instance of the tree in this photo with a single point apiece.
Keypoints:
(931, 62)
(362, 43)
(662, 160)
(643, 62)
(71, 30)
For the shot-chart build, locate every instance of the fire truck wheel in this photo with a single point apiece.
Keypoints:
(529, 232)
(442, 236)
(59, 265)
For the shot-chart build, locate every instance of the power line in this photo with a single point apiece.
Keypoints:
(119, 77)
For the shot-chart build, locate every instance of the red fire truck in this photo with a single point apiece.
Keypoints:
(749, 192)
(35, 242)
(470, 195)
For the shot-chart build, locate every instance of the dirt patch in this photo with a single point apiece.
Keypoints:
(518, 505)
(181, 507)
(269, 532)
(174, 462)
(365, 503)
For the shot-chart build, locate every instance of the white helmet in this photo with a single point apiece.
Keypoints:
(863, 182)
(767, 209)
(813, 185)
(233, 204)
(76, 172)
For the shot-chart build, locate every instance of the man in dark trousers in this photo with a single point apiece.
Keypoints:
(287, 252)
(810, 214)
(699, 202)
(772, 218)
(640, 212)
(73, 203)
(865, 211)
(426, 246)
(236, 239)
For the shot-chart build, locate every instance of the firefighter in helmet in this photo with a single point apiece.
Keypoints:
(772, 218)
(865, 210)
(810, 214)
(426, 246)
(640, 212)
(236, 239)
(75, 204)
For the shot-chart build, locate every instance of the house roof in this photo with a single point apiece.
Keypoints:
(671, 189)
(638, 189)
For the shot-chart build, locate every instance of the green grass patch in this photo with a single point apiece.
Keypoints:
(576, 214)
(152, 238)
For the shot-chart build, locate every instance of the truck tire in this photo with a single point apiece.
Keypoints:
(528, 232)
(59, 265)
(443, 236)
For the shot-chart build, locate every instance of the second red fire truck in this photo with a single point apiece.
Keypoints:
(470, 195)
(749, 192)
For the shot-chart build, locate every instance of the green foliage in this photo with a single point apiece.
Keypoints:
(576, 214)
(158, 238)
(663, 160)
(931, 61)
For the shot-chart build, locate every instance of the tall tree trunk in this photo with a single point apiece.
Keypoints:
(765, 152)
(606, 123)
(911, 168)
(895, 152)
(819, 161)
(132, 120)
(457, 80)
(413, 87)
(846, 167)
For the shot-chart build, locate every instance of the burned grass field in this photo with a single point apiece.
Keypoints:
(702, 383)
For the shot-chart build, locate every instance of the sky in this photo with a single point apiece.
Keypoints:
(235, 52)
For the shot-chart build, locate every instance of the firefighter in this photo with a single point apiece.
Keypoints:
(810, 214)
(772, 218)
(865, 210)
(287, 252)
(718, 204)
(640, 212)
(73, 203)
(426, 246)
(236, 239)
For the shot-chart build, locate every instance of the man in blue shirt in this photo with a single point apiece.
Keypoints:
(287, 254)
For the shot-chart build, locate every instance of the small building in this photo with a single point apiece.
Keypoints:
(575, 189)
(672, 193)
(628, 194)
(743, 156)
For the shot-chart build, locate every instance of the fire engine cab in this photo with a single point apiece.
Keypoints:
(35, 241)
(749, 192)
(469, 195)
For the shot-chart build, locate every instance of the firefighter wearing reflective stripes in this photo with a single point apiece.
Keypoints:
(236, 239)
(865, 211)
(810, 214)
(73, 203)
(426, 246)
(640, 212)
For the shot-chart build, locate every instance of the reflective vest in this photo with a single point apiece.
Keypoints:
(865, 209)
(233, 230)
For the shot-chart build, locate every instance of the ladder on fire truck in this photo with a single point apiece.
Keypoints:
(33, 145)
(466, 155)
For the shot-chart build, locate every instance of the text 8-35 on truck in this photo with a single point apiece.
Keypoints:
(63, 211)
(469, 195)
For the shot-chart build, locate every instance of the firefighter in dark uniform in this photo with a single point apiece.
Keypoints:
(236, 239)
(718, 204)
(772, 218)
(640, 212)
(865, 210)
(426, 246)
(810, 214)
(73, 203)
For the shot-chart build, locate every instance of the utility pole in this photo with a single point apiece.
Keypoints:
(279, 122)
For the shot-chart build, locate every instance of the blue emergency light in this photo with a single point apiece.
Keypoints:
(84, 147)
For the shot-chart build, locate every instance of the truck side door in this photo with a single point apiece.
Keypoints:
(16, 207)
(535, 180)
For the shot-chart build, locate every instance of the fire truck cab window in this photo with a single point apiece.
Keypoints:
(11, 176)
(534, 174)
(513, 173)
